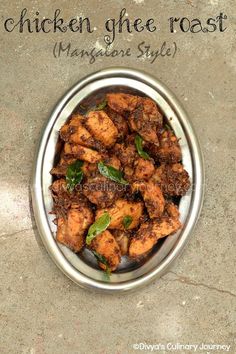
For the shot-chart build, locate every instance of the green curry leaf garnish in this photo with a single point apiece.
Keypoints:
(111, 173)
(74, 175)
(127, 221)
(100, 225)
(139, 146)
(101, 259)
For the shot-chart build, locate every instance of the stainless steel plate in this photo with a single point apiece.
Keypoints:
(83, 269)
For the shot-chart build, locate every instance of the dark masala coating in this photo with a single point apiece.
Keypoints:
(119, 164)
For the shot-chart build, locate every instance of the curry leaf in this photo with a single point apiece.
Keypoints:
(98, 107)
(111, 173)
(101, 106)
(82, 107)
(74, 175)
(127, 220)
(101, 259)
(168, 127)
(100, 225)
(107, 274)
(139, 146)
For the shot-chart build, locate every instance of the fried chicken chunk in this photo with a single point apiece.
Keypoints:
(75, 132)
(82, 153)
(122, 102)
(62, 199)
(122, 238)
(144, 169)
(172, 179)
(112, 161)
(126, 153)
(105, 245)
(153, 197)
(71, 229)
(144, 116)
(168, 150)
(101, 191)
(171, 210)
(89, 168)
(102, 128)
(121, 209)
(59, 186)
(146, 120)
(151, 231)
(61, 168)
(119, 121)
(73, 215)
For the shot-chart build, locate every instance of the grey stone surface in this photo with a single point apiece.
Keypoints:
(41, 311)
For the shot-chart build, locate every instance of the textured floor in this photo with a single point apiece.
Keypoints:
(41, 311)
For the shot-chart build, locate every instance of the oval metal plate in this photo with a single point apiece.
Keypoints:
(82, 268)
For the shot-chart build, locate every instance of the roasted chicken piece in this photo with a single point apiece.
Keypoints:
(120, 210)
(71, 229)
(61, 168)
(168, 150)
(144, 169)
(102, 191)
(146, 120)
(144, 116)
(151, 231)
(102, 128)
(75, 132)
(112, 161)
(62, 199)
(153, 197)
(82, 153)
(89, 169)
(105, 245)
(126, 153)
(172, 179)
(119, 121)
(122, 238)
(171, 210)
(59, 186)
(122, 102)
(92, 168)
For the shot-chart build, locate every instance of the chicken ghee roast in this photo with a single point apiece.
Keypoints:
(118, 180)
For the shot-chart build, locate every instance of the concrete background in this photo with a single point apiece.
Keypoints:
(41, 311)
